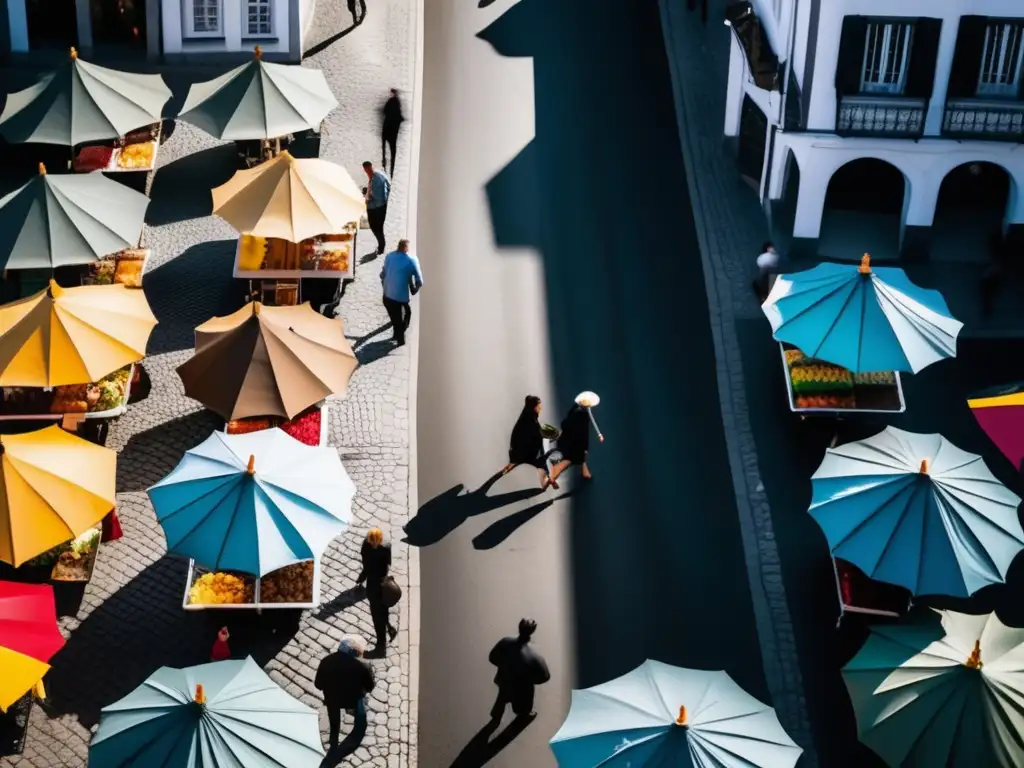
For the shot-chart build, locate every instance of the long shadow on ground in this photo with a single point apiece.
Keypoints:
(181, 190)
(658, 562)
(153, 453)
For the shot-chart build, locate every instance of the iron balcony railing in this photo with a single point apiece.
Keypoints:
(977, 119)
(881, 116)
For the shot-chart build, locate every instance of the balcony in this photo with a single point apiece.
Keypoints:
(976, 119)
(881, 116)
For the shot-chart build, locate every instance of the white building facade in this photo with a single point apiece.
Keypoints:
(890, 127)
(199, 29)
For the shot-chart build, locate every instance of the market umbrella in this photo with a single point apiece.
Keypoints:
(226, 714)
(862, 318)
(1000, 413)
(72, 335)
(661, 715)
(952, 695)
(917, 511)
(53, 487)
(83, 102)
(259, 101)
(290, 199)
(253, 502)
(28, 637)
(52, 221)
(268, 361)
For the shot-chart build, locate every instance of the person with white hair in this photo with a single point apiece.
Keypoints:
(346, 680)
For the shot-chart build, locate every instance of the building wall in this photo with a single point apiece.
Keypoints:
(17, 26)
(306, 8)
(233, 42)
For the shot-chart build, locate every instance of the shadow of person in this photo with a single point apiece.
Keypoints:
(482, 749)
(346, 747)
(446, 512)
(498, 531)
(344, 600)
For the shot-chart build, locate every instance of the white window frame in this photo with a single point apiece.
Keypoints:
(887, 47)
(247, 33)
(1001, 58)
(188, 23)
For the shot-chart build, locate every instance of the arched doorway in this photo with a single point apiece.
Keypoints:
(863, 211)
(970, 212)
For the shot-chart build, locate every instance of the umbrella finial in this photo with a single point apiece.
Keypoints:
(974, 661)
(42, 169)
(865, 264)
(258, 52)
(251, 469)
(54, 290)
(681, 720)
(924, 467)
(74, 53)
(200, 697)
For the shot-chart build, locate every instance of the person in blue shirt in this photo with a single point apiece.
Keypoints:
(377, 193)
(401, 277)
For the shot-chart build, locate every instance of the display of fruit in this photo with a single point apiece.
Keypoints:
(134, 156)
(794, 357)
(247, 425)
(305, 428)
(102, 271)
(875, 379)
(820, 377)
(291, 584)
(93, 159)
(129, 273)
(220, 589)
(829, 402)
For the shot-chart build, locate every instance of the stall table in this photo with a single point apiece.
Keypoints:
(276, 269)
(134, 152)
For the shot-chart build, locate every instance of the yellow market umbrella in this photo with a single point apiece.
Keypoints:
(53, 487)
(290, 199)
(72, 335)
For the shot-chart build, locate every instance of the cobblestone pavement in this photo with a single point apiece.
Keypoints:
(130, 620)
(731, 228)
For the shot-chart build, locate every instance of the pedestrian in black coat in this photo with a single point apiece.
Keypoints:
(520, 670)
(574, 442)
(345, 680)
(376, 556)
(526, 446)
(393, 119)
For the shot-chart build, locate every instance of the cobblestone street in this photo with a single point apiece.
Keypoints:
(130, 620)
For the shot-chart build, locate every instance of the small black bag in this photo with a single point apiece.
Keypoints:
(390, 592)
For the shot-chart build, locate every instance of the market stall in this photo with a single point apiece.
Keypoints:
(133, 152)
(815, 387)
(73, 561)
(276, 269)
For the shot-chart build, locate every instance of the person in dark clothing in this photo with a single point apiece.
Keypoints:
(376, 556)
(526, 445)
(378, 192)
(357, 17)
(520, 670)
(393, 120)
(345, 680)
(574, 442)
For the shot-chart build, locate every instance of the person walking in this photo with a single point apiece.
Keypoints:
(573, 443)
(393, 120)
(767, 265)
(378, 190)
(376, 557)
(345, 680)
(520, 670)
(402, 278)
(526, 446)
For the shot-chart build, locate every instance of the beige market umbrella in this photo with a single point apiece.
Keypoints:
(268, 361)
(72, 335)
(290, 199)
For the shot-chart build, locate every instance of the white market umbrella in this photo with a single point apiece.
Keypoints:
(659, 715)
(941, 697)
(917, 511)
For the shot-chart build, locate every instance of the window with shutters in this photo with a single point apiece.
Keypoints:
(257, 18)
(886, 57)
(1001, 59)
(202, 18)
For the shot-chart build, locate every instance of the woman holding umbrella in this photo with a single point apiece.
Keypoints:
(574, 440)
(526, 445)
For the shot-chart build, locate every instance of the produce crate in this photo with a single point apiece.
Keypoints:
(258, 604)
(87, 562)
(848, 394)
(272, 421)
(38, 398)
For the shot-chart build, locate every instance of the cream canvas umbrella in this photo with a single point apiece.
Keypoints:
(290, 199)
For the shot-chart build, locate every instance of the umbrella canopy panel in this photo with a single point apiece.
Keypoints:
(917, 511)
(227, 713)
(862, 318)
(268, 361)
(953, 696)
(259, 101)
(53, 221)
(83, 102)
(55, 486)
(72, 335)
(1000, 413)
(290, 199)
(29, 637)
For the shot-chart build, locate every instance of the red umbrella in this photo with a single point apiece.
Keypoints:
(29, 637)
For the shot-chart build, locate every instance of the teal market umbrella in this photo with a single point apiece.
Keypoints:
(53, 221)
(259, 101)
(660, 715)
(83, 102)
(917, 511)
(952, 695)
(228, 714)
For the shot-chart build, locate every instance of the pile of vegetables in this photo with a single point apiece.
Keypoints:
(220, 589)
(74, 562)
(305, 427)
(291, 584)
(875, 379)
(104, 395)
(78, 548)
